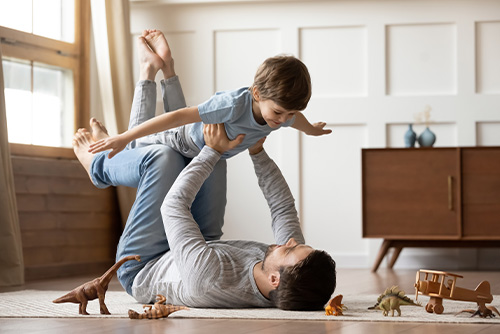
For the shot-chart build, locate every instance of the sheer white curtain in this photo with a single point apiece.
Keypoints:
(11, 250)
(113, 47)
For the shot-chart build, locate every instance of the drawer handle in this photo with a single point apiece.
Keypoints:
(450, 192)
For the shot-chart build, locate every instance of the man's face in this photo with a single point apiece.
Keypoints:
(285, 255)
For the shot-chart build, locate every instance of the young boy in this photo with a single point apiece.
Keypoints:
(281, 89)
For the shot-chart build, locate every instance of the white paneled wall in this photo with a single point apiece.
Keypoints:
(331, 193)
(375, 66)
(488, 133)
(425, 66)
(237, 57)
(345, 54)
(487, 55)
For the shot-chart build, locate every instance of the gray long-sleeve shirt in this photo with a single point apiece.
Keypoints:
(216, 274)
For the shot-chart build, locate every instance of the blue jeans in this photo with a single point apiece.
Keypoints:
(152, 170)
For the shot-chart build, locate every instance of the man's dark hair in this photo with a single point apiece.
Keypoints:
(306, 286)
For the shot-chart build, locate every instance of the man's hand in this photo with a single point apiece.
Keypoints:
(216, 138)
(318, 129)
(257, 147)
(115, 143)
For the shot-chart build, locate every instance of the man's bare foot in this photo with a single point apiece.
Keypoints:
(81, 142)
(149, 62)
(158, 43)
(99, 131)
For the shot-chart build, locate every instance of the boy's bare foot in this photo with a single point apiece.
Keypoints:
(150, 62)
(81, 142)
(158, 43)
(99, 131)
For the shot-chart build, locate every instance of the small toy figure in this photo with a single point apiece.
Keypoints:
(391, 300)
(485, 311)
(156, 311)
(335, 306)
(436, 288)
(94, 289)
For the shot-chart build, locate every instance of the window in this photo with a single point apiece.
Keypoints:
(49, 18)
(44, 53)
(38, 99)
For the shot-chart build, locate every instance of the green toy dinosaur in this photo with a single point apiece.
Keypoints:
(391, 300)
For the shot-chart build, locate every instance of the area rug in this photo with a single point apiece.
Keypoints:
(38, 304)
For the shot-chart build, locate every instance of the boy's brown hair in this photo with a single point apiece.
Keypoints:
(284, 80)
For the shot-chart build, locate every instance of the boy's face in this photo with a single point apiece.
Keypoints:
(273, 114)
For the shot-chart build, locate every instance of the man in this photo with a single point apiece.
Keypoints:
(235, 273)
(194, 272)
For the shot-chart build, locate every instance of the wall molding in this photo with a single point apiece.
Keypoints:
(364, 115)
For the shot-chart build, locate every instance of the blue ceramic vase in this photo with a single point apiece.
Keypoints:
(427, 138)
(410, 136)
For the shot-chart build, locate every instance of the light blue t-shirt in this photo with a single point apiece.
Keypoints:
(234, 109)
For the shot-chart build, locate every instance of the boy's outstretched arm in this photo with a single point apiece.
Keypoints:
(302, 124)
(160, 123)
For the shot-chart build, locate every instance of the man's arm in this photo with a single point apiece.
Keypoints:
(163, 122)
(197, 263)
(285, 222)
(186, 242)
(302, 124)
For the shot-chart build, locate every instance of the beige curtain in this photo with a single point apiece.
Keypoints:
(11, 251)
(113, 47)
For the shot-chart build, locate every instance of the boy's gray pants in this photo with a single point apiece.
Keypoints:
(144, 108)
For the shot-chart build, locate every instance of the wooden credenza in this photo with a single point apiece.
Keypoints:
(431, 197)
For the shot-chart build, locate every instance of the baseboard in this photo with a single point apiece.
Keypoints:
(457, 259)
(448, 259)
(351, 261)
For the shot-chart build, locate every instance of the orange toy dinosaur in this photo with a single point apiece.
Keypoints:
(94, 289)
(335, 306)
(156, 311)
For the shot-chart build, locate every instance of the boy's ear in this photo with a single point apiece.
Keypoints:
(255, 93)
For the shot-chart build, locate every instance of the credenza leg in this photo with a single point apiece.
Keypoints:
(381, 253)
(395, 255)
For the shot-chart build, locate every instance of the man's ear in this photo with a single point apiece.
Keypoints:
(274, 279)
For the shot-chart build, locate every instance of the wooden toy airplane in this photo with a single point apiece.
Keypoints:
(443, 285)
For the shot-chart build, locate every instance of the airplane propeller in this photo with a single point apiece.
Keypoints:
(417, 281)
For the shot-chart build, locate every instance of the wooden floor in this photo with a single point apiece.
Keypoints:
(349, 281)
